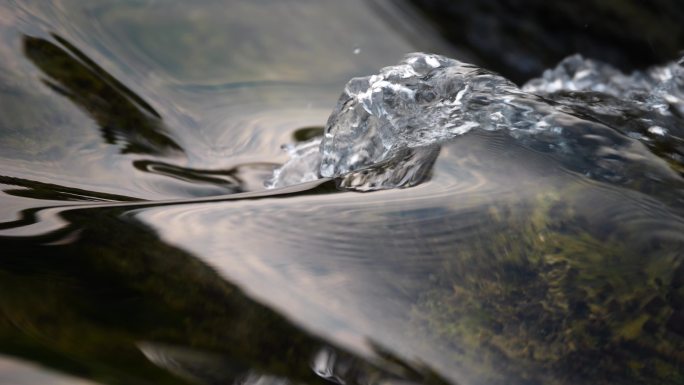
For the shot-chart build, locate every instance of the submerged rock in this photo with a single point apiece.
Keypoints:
(556, 296)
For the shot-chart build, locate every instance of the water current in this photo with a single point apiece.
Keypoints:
(191, 196)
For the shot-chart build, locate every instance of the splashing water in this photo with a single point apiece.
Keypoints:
(384, 130)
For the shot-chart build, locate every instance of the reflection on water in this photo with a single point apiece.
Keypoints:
(141, 247)
(183, 88)
(89, 303)
(121, 114)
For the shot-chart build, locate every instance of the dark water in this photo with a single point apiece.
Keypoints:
(139, 245)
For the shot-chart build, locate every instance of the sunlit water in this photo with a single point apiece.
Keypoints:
(141, 245)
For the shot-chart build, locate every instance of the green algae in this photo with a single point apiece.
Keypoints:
(549, 298)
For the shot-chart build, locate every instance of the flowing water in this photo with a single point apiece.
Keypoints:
(445, 226)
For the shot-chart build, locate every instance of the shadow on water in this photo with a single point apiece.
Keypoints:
(104, 298)
(232, 180)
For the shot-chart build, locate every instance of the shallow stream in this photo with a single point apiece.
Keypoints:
(495, 234)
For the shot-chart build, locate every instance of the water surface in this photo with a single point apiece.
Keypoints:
(140, 245)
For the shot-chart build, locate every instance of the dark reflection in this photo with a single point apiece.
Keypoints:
(233, 180)
(124, 118)
(104, 298)
(49, 191)
(307, 133)
(27, 217)
(520, 39)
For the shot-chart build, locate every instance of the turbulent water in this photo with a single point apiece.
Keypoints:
(175, 208)
(389, 125)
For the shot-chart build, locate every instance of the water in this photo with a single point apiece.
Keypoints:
(142, 245)
(430, 99)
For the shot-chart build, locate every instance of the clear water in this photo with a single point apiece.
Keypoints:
(386, 129)
(141, 245)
